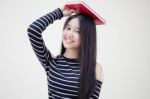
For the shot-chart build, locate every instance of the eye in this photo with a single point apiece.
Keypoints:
(68, 28)
(77, 31)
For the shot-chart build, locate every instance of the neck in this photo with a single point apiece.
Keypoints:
(71, 53)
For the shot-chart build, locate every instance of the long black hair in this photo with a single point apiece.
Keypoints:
(88, 52)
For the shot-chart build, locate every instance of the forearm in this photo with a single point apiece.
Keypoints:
(38, 26)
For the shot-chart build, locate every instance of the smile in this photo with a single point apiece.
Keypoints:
(68, 40)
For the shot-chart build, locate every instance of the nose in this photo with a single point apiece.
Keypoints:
(70, 34)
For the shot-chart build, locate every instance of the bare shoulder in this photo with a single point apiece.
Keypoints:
(99, 72)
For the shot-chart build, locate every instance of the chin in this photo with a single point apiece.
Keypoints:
(69, 46)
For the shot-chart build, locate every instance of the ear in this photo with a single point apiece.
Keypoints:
(99, 73)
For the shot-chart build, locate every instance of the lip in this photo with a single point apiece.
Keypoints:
(68, 40)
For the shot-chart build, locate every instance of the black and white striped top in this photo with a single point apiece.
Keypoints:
(62, 72)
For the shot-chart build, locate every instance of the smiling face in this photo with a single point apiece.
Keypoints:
(71, 36)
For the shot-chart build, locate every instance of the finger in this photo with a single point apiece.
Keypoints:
(72, 10)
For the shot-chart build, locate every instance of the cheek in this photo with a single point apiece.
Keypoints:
(63, 34)
(78, 39)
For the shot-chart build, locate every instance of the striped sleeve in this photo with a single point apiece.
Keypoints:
(35, 35)
(96, 93)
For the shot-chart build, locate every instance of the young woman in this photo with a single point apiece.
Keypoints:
(74, 74)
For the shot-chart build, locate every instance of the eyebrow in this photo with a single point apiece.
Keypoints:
(71, 26)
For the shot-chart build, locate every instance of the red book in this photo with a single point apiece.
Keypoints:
(81, 7)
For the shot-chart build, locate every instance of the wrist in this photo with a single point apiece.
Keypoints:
(61, 12)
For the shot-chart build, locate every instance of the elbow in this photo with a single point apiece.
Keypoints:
(29, 28)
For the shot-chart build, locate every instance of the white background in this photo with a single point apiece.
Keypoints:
(123, 48)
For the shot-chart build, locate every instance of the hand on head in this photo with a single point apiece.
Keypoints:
(66, 11)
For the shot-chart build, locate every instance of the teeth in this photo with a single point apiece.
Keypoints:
(70, 41)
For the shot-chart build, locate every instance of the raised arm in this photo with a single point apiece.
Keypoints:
(35, 35)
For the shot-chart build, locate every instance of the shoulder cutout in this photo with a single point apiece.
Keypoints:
(99, 73)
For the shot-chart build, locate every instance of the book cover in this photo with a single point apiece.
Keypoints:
(81, 7)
